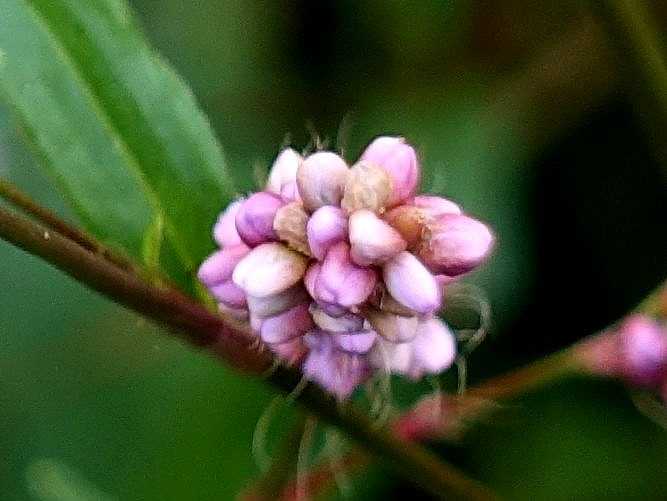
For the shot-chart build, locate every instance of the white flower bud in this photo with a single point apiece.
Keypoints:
(269, 269)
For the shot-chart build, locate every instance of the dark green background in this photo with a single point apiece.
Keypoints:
(516, 117)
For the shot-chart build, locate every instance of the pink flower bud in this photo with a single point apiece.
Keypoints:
(411, 284)
(269, 306)
(435, 206)
(288, 325)
(224, 231)
(432, 351)
(282, 178)
(341, 282)
(455, 244)
(394, 328)
(326, 227)
(337, 371)
(355, 342)
(394, 358)
(383, 301)
(348, 322)
(321, 179)
(643, 351)
(372, 241)
(229, 294)
(368, 187)
(399, 160)
(269, 269)
(290, 227)
(310, 281)
(219, 266)
(434, 348)
(254, 220)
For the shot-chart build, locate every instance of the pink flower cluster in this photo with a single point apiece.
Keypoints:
(342, 269)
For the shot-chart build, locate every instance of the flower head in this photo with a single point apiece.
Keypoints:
(343, 269)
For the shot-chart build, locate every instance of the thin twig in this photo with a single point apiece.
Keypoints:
(49, 219)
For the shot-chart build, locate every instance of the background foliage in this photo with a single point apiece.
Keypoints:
(521, 113)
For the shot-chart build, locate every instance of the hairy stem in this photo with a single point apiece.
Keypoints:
(235, 345)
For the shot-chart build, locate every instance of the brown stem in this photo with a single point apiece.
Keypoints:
(49, 219)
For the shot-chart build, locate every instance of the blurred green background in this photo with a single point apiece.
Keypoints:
(522, 111)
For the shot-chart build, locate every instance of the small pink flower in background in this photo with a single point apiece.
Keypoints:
(642, 345)
(342, 269)
(635, 351)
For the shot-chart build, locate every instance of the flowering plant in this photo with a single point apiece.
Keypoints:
(344, 269)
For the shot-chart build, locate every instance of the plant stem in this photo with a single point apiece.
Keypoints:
(49, 219)
(235, 345)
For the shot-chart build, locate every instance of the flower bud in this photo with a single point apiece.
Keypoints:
(348, 322)
(643, 351)
(310, 281)
(394, 328)
(411, 284)
(368, 187)
(337, 371)
(224, 231)
(282, 178)
(434, 348)
(254, 219)
(391, 358)
(372, 241)
(455, 244)
(434, 206)
(219, 266)
(399, 160)
(321, 179)
(269, 269)
(326, 227)
(431, 351)
(290, 227)
(383, 301)
(340, 281)
(269, 306)
(229, 294)
(288, 325)
(409, 221)
(355, 342)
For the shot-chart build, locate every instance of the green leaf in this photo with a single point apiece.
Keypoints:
(119, 130)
